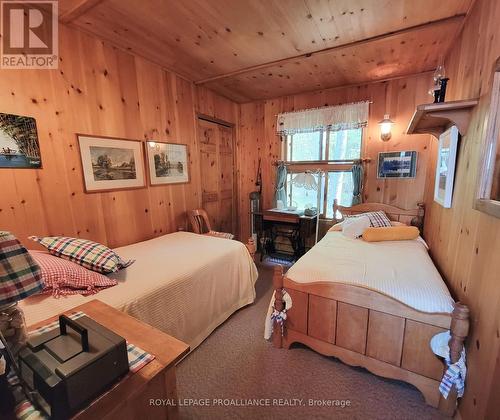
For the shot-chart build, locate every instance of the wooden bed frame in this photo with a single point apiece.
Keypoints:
(365, 328)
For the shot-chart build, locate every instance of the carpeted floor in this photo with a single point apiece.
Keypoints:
(238, 369)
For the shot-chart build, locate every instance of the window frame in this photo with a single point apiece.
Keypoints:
(325, 165)
(484, 202)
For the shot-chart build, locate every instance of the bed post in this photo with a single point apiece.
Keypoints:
(459, 330)
(251, 247)
(335, 209)
(279, 304)
(418, 220)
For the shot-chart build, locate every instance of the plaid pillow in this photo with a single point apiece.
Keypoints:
(63, 277)
(20, 275)
(377, 218)
(88, 254)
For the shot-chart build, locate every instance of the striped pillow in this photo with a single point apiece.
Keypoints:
(62, 277)
(88, 254)
(377, 218)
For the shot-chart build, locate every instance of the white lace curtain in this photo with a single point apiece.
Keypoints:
(341, 117)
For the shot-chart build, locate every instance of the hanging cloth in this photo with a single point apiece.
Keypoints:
(357, 180)
(280, 193)
(333, 118)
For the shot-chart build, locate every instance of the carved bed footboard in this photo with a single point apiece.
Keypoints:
(365, 328)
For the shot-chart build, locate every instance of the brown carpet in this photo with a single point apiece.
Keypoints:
(235, 364)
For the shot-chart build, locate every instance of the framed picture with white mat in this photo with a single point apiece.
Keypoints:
(445, 167)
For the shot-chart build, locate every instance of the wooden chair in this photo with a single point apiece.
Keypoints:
(201, 225)
(199, 221)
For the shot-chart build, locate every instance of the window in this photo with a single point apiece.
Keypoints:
(331, 151)
(488, 189)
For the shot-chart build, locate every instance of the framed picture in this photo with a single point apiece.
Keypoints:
(397, 164)
(445, 167)
(167, 163)
(19, 147)
(110, 163)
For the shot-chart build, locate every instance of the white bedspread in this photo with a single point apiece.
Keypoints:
(182, 283)
(400, 269)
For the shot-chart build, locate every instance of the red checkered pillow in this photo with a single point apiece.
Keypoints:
(377, 218)
(63, 277)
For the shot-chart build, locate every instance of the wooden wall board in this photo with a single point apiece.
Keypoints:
(465, 243)
(99, 89)
(257, 135)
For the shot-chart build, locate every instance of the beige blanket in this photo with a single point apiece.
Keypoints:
(182, 283)
(402, 270)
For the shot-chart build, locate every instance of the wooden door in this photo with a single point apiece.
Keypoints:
(216, 144)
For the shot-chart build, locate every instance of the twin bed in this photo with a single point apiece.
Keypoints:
(375, 305)
(184, 284)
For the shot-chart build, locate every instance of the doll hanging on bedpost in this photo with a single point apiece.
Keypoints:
(279, 306)
(459, 330)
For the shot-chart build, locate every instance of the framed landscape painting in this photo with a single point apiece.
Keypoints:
(167, 162)
(397, 164)
(19, 147)
(111, 163)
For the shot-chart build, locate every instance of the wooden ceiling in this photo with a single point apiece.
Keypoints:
(254, 49)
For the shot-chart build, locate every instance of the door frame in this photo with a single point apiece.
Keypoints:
(236, 198)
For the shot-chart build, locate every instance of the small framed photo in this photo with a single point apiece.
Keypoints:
(111, 163)
(167, 163)
(19, 146)
(397, 164)
(445, 168)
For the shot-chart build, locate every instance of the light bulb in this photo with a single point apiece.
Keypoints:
(385, 128)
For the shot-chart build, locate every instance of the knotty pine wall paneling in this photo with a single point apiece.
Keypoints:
(257, 136)
(465, 243)
(100, 90)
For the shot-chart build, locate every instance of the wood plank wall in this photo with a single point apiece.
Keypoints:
(465, 243)
(397, 97)
(100, 90)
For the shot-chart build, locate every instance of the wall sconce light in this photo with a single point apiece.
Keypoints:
(385, 128)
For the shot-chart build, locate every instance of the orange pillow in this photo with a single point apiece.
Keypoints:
(394, 233)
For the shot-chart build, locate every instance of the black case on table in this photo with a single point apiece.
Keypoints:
(69, 367)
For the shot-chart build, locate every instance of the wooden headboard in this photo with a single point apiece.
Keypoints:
(414, 216)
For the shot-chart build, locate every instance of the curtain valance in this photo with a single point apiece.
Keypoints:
(341, 117)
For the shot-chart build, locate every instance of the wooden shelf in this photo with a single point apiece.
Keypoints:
(436, 118)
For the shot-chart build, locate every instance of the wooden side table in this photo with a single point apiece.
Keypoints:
(130, 398)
